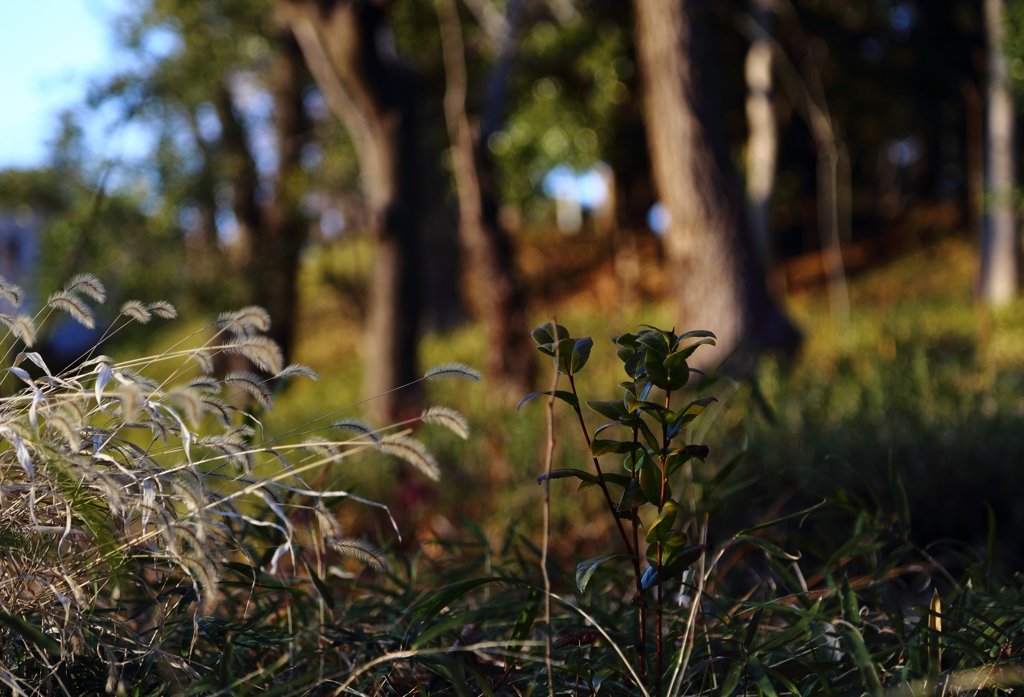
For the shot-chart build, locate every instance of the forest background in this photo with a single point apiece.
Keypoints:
(829, 186)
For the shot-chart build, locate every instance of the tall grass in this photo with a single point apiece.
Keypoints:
(142, 517)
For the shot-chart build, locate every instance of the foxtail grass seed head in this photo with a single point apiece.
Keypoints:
(74, 306)
(449, 418)
(458, 371)
(88, 285)
(413, 452)
(135, 310)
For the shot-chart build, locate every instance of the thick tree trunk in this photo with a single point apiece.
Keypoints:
(718, 283)
(999, 249)
(347, 50)
(492, 282)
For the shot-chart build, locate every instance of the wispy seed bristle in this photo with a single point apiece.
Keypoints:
(25, 329)
(87, 284)
(137, 311)
(413, 452)
(163, 309)
(254, 385)
(361, 550)
(245, 321)
(459, 371)
(357, 426)
(259, 350)
(11, 292)
(449, 418)
(74, 306)
(298, 370)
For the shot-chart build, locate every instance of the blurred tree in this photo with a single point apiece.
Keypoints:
(84, 221)
(719, 284)
(350, 51)
(762, 133)
(222, 86)
(492, 280)
(1000, 246)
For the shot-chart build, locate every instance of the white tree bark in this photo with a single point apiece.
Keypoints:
(999, 248)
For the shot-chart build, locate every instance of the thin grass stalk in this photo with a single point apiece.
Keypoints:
(634, 515)
(661, 504)
(704, 571)
(549, 462)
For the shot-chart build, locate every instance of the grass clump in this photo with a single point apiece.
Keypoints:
(154, 537)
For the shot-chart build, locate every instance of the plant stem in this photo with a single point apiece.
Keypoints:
(661, 505)
(634, 515)
(550, 458)
(600, 475)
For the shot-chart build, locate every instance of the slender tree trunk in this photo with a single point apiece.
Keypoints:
(492, 282)
(1000, 248)
(763, 135)
(718, 283)
(274, 256)
(347, 49)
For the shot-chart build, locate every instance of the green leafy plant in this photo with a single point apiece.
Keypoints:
(655, 449)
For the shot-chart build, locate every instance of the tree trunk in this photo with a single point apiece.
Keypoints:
(274, 254)
(718, 282)
(762, 137)
(347, 49)
(999, 249)
(492, 283)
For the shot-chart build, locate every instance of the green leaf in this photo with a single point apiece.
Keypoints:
(321, 587)
(677, 562)
(565, 473)
(767, 546)
(696, 334)
(567, 397)
(599, 447)
(661, 527)
(650, 479)
(656, 371)
(30, 633)
(688, 350)
(678, 370)
(628, 340)
(723, 473)
(580, 354)
(851, 608)
(437, 601)
(757, 673)
(543, 335)
(613, 409)
(752, 627)
(732, 679)
(586, 568)
(791, 516)
(863, 658)
(654, 339)
(521, 630)
(609, 477)
(671, 547)
(632, 497)
(692, 410)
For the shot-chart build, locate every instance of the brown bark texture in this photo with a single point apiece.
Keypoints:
(492, 283)
(717, 281)
(346, 47)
